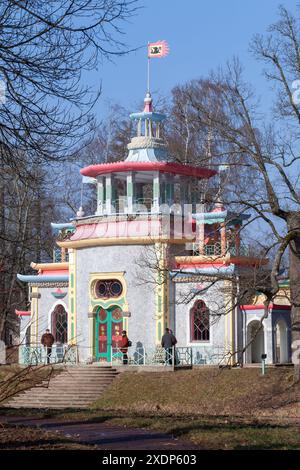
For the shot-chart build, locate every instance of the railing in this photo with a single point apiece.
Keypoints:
(38, 355)
(215, 250)
(178, 356)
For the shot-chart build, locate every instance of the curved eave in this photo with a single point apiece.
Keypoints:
(262, 307)
(206, 217)
(100, 241)
(41, 278)
(157, 117)
(49, 266)
(163, 167)
(212, 271)
(62, 226)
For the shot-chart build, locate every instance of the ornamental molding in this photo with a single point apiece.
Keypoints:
(146, 142)
(48, 284)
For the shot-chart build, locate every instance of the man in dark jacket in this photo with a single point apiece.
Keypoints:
(167, 342)
(47, 341)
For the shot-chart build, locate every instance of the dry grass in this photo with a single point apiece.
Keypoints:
(206, 391)
(216, 409)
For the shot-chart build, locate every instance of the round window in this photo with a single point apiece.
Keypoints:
(108, 288)
(101, 289)
(116, 288)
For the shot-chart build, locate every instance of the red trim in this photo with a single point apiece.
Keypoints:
(22, 313)
(261, 307)
(164, 167)
(53, 272)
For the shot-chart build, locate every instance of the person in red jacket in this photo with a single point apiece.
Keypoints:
(124, 347)
(47, 341)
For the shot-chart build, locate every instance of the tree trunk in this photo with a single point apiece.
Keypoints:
(294, 255)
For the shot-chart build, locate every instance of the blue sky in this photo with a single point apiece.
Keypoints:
(201, 34)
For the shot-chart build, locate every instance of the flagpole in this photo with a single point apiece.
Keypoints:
(148, 70)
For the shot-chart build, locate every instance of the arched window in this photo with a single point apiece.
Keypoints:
(60, 324)
(199, 322)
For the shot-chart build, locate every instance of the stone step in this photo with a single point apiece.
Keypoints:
(32, 393)
(57, 407)
(72, 388)
(55, 401)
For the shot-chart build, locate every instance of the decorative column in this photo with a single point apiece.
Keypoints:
(63, 254)
(130, 191)
(108, 191)
(223, 239)
(162, 291)
(91, 321)
(100, 195)
(156, 192)
(72, 297)
(169, 190)
(200, 236)
(237, 239)
(34, 333)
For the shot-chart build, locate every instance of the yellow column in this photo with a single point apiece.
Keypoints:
(162, 291)
(230, 326)
(72, 297)
(34, 331)
(91, 316)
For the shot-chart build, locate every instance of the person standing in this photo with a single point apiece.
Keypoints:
(47, 341)
(124, 347)
(167, 342)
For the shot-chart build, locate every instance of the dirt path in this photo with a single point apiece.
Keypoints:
(105, 436)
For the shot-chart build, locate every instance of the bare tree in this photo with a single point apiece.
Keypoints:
(46, 47)
(267, 145)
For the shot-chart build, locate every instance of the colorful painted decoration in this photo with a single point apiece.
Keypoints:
(59, 294)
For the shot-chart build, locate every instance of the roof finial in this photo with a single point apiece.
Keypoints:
(148, 103)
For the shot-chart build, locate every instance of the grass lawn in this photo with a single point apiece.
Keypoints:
(216, 409)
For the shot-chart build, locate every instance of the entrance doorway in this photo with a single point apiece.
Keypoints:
(281, 342)
(109, 325)
(255, 341)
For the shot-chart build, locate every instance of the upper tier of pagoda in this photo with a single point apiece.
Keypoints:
(148, 151)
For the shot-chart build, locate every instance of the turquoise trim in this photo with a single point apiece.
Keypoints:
(109, 322)
(62, 226)
(41, 278)
(214, 271)
(157, 117)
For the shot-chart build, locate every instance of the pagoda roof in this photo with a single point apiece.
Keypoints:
(163, 167)
(157, 117)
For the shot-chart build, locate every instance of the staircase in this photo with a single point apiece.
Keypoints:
(75, 387)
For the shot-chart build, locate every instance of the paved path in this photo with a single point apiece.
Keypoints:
(105, 436)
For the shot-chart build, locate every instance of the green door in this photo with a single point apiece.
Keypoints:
(109, 325)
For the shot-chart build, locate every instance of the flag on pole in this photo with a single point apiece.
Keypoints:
(158, 49)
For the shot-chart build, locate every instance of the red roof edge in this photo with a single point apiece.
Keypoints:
(261, 307)
(164, 167)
